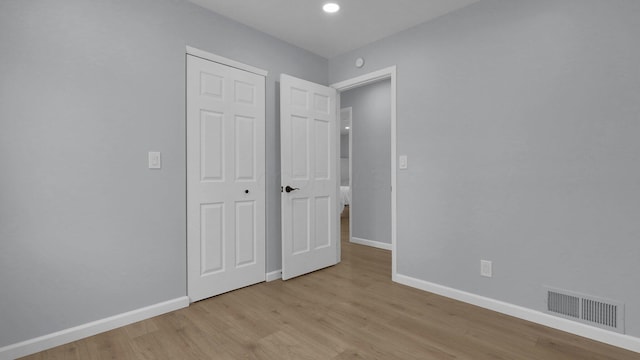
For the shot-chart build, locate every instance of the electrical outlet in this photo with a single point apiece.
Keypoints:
(486, 268)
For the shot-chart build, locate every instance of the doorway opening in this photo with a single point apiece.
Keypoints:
(377, 77)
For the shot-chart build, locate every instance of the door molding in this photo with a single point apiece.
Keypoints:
(350, 109)
(225, 61)
(382, 74)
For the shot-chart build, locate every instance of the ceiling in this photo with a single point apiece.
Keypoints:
(359, 22)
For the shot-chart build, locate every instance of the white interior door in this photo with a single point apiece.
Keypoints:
(310, 231)
(225, 178)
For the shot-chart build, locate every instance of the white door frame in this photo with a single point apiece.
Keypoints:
(224, 61)
(386, 73)
(350, 170)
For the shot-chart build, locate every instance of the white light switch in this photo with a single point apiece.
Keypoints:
(404, 162)
(155, 160)
(486, 268)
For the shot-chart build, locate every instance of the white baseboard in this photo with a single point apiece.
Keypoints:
(274, 275)
(372, 243)
(58, 338)
(620, 340)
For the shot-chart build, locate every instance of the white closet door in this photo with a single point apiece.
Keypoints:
(225, 178)
(310, 223)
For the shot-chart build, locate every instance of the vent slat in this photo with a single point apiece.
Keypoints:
(587, 309)
(599, 312)
(563, 304)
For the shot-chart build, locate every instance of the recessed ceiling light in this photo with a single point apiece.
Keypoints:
(331, 8)
(346, 128)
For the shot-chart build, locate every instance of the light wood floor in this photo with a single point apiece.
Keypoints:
(349, 311)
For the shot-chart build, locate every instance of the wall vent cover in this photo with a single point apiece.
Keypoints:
(602, 313)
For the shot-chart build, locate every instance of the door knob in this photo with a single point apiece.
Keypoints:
(290, 189)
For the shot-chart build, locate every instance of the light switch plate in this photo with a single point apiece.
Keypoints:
(404, 162)
(486, 268)
(155, 160)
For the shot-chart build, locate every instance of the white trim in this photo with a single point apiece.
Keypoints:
(350, 135)
(372, 243)
(365, 79)
(608, 337)
(386, 73)
(337, 232)
(350, 172)
(58, 338)
(223, 60)
(274, 275)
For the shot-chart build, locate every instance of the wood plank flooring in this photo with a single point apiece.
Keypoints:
(349, 311)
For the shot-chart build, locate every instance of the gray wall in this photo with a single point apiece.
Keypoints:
(344, 146)
(371, 160)
(521, 120)
(344, 160)
(87, 88)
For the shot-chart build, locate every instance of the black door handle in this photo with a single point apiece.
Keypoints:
(290, 189)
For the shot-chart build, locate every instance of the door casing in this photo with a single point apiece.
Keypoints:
(382, 74)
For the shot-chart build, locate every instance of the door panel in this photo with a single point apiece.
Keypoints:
(299, 148)
(323, 142)
(212, 238)
(322, 221)
(309, 164)
(212, 146)
(300, 225)
(246, 233)
(225, 178)
(246, 155)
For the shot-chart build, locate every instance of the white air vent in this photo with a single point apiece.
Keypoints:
(606, 314)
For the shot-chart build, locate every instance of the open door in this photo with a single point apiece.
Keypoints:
(308, 130)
